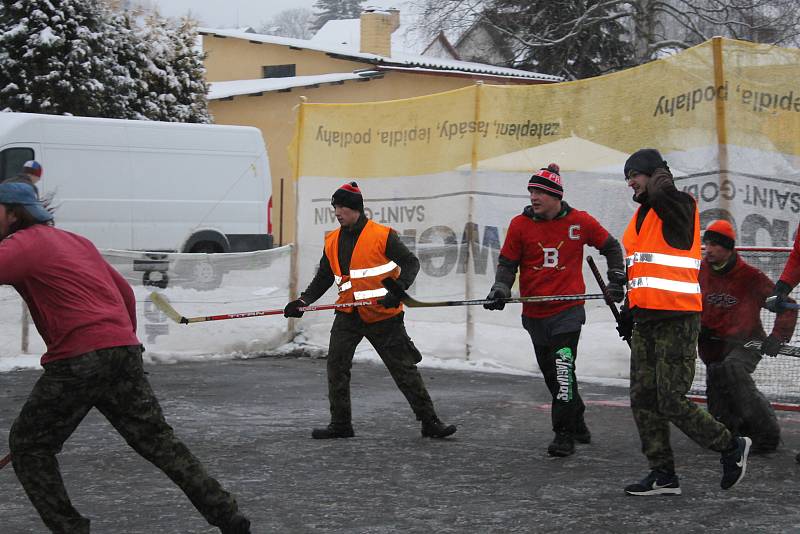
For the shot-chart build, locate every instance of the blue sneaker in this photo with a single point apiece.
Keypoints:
(656, 483)
(734, 463)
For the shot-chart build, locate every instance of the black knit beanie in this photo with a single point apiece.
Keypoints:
(349, 196)
(645, 161)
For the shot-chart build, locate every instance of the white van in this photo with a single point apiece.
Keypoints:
(148, 186)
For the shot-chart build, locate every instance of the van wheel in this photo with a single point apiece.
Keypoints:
(203, 274)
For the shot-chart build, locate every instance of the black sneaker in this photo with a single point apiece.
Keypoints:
(582, 434)
(562, 445)
(656, 483)
(434, 428)
(734, 463)
(333, 431)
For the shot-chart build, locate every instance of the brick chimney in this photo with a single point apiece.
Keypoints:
(377, 26)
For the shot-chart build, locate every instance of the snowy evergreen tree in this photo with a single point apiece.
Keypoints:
(77, 57)
(190, 73)
(326, 10)
(59, 58)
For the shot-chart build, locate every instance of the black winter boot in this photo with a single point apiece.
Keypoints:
(582, 434)
(434, 428)
(333, 431)
(562, 445)
(237, 524)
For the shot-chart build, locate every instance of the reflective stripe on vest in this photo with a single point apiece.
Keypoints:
(662, 259)
(373, 271)
(661, 277)
(368, 266)
(666, 285)
(370, 293)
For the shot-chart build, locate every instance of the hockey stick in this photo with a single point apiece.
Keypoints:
(163, 304)
(394, 288)
(786, 350)
(5, 460)
(602, 285)
(783, 305)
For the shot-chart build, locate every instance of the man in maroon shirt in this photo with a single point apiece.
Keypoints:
(545, 242)
(85, 312)
(733, 294)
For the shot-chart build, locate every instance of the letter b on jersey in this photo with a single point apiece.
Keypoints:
(550, 257)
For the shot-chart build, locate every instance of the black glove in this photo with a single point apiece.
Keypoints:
(771, 345)
(779, 294)
(625, 324)
(293, 308)
(616, 285)
(390, 300)
(706, 334)
(498, 291)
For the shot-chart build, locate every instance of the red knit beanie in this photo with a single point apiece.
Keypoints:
(722, 233)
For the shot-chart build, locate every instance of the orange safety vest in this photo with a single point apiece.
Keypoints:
(368, 266)
(661, 277)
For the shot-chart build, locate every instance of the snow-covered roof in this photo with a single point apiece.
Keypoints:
(398, 59)
(340, 32)
(220, 90)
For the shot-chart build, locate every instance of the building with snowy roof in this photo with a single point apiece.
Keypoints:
(256, 80)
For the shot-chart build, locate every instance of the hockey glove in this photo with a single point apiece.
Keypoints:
(779, 294)
(616, 285)
(498, 291)
(771, 345)
(625, 324)
(390, 300)
(706, 334)
(293, 309)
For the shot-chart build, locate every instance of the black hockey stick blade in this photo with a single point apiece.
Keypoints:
(602, 285)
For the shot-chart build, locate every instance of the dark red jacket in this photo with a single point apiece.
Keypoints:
(732, 301)
(791, 272)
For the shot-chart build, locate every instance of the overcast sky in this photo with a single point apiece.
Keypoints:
(235, 13)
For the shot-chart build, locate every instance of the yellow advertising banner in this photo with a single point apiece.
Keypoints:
(450, 170)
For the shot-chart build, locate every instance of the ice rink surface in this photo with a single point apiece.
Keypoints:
(250, 422)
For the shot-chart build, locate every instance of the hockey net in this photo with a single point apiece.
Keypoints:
(197, 285)
(778, 378)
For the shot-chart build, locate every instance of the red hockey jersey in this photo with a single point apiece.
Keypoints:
(550, 256)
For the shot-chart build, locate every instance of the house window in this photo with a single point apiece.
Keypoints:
(278, 71)
(11, 161)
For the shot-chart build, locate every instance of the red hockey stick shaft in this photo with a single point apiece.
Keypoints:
(262, 313)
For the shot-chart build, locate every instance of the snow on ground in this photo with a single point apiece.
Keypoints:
(602, 357)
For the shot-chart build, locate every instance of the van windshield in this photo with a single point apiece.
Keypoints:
(12, 159)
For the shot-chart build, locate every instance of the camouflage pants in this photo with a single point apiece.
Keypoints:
(395, 348)
(736, 402)
(663, 355)
(113, 381)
